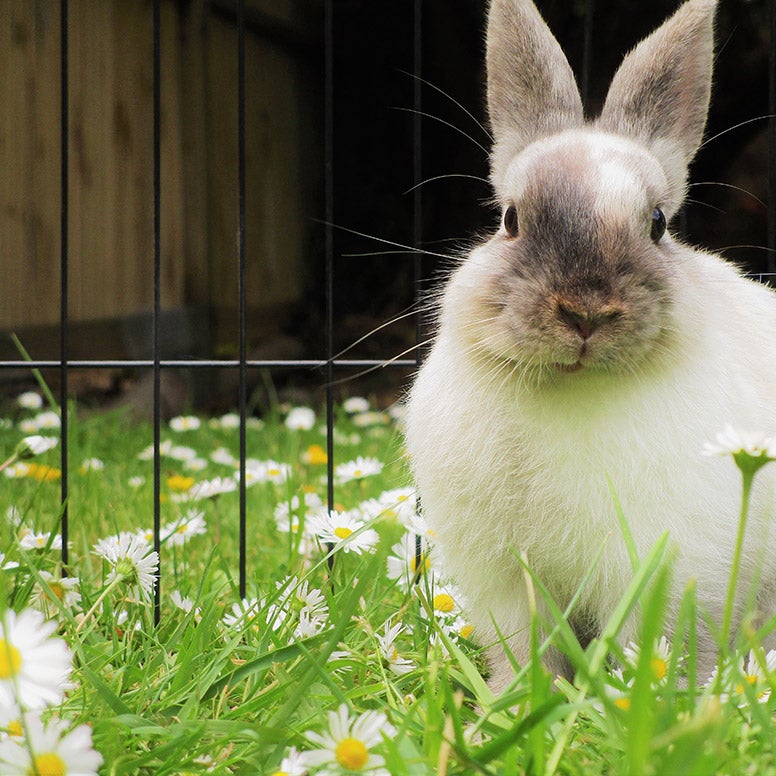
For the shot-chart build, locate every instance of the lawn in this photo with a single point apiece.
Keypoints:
(340, 658)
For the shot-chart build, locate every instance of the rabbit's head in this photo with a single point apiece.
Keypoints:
(582, 274)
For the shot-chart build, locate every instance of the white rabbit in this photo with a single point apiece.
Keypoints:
(582, 344)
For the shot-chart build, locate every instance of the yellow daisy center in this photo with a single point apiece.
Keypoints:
(444, 602)
(58, 590)
(50, 764)
(15, 728)
(659, 668)
(622, 703)
(750, 679)
(352, 753)
(466, 631)
(180, 483)
(10, 660)
(341, 532)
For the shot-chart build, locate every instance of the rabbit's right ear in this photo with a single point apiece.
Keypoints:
(531, 88)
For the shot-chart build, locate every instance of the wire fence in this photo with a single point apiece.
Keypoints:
(331, 365)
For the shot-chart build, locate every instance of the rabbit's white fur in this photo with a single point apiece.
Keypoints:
(516, 424)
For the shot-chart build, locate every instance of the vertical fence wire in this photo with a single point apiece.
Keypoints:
(64, 334)
(242, 292)
(157, 111)
(417, 209)
(772, 140)
(329, 242)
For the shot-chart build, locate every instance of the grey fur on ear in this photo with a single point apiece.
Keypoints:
(531, 88)
(660, 94)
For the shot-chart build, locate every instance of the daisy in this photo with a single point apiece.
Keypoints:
(300, 419)
(182, 453)
(400, 503)
(16, 470)
(223, 456)
(207, 489)
(349, 740)
(358, 469)
(91, 465)
(752, 449)
(339, 529)
(7, 565)
(396, 663)
(40, 541)
(29, 400)
(43, 420)
(51, 750)
(747, 672)
(229, 421)
(34, 668)
(183, 603)
(191, 524)
(64, 589)
(355, 404)
(265, 471)
(402, 563)
(366, 419)
(245, 615)
(307, 604)
(35, 445)
(315, 455)
(446, 602)
(147, 453)
(131, 560)
(136, 482)
(185, 423)
(659, 661)
(292, 765)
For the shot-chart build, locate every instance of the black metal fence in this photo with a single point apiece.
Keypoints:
(423, 59)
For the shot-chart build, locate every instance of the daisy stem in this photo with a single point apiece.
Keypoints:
(747, 479)
(114, 583)
(8, 461)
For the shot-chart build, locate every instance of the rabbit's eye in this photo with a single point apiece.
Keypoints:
(658, 224)
(510, 221)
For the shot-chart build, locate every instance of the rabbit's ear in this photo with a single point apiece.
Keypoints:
(660, 94)
(531, 89)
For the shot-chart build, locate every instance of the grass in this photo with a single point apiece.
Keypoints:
(222, 691)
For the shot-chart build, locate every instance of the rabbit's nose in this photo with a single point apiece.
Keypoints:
(584, 320)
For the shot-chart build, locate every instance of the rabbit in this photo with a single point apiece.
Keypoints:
(583, 349)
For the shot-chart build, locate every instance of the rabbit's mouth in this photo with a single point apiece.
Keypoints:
(570, 367)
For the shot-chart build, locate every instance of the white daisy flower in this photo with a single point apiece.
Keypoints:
(230, 420)
(387, 641)
(355, 404)
(747, 672)
(65, 589)
(16, 470)
(735, 441)
(29, 400)
(222, 456)
(43, 420)
(130, 558)
(358, 469)
(14, 515)
(339, 529)
(7, 565)
(91, 465)
(367, 419)
(179, 531)
(185, 423)
(182, 453)
(34, 668)
(136, 482)
(659, 662)
(300, 419)
(307, 604)
(51, 749)
(265, 471)
(400, 503)
(36, 444)
(39, 541)
(292, 764)
(349, 741)
(446, 602)
(206, 489)
(402, 563)
(147, 453)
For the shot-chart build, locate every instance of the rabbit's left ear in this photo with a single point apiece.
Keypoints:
(660, 94)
